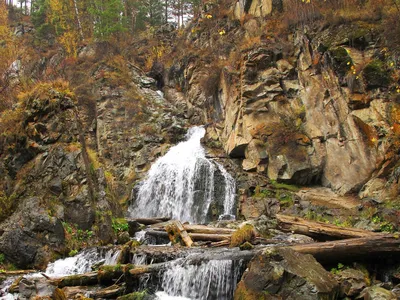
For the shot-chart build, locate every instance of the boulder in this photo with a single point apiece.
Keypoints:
(28, 233)
(377, 293)
(352, 282)
(286, 274)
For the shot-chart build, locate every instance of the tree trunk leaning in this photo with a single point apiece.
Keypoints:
(319, 229)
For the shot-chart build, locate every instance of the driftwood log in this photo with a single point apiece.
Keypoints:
(356, 248)
(198, 229)
(319, 229)
(194, 236)
(177, 232)
(149, 221)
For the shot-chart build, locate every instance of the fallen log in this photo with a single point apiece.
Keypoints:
(200, 229)
(224, 243)
(79, 279)
(111, 292)
(176, 231)
(146, 269)
(194, 236)
(16, 273)
(319, 229)
(355, 248)
(150, 221)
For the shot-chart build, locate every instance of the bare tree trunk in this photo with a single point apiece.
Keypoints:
(319, 229)
(78, 20)
(166, 11)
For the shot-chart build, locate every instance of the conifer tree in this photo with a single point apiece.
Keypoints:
(108, 17)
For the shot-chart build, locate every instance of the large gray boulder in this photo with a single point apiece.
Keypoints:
(25, 238)
(286, 274)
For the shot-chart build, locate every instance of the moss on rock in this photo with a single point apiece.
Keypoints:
(244, 234)
(375, 74)
(341, 60)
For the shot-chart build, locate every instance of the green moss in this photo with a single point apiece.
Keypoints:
(244, 234)
(342, 61)
(134, 296)
(246, 246)
(376, 75)
(284, 186)
(106, 274)
(7, 205)
(285, 198)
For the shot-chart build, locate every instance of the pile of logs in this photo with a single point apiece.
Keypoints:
(340, 244)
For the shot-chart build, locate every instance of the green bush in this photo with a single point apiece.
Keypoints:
(119, 225)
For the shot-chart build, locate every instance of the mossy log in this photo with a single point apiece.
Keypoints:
(146, 269)
(354, 249)
(79, 279)
(107, 274)
(111, 292)
(319, 229)
(16, 273)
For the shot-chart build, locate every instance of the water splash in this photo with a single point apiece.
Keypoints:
(183, 183)
(139, 259)
(82, 262)
(112, 256)
(229, 200)
(215, 279)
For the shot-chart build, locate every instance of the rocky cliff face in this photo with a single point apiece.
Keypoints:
(316, 107)
(69, 160)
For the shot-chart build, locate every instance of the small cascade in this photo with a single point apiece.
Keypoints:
(230, 190)
(215, 279)
(183, 183)
(139, 259)
(111, 257)
(82, 262)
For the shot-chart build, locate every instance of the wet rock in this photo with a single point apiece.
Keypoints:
(377, 293)
(123, 238)
(396, 291)
(27, 289)
(352, 282)
(286, 274)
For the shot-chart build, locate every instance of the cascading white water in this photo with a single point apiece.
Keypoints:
(182, 184)
(230, 187)
(215, 279)
(82, 262)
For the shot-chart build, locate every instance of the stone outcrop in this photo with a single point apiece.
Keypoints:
(79, 155)
(301, 116)
(286, 274)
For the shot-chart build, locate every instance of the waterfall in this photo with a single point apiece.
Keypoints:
(215, 279)
(183, 183)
